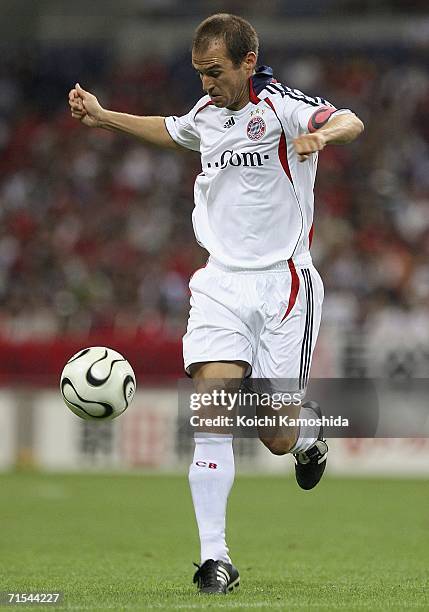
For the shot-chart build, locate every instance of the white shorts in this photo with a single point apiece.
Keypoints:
(269, 319)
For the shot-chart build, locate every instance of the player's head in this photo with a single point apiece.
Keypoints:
(225, 51)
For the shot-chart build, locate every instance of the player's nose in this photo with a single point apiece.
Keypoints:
(207, 84)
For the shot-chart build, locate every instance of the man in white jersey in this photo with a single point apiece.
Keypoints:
(256, 305)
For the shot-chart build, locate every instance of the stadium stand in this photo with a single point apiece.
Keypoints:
(96, 236)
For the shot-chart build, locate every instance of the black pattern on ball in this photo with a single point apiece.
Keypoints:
(81, 354)
(97, 382)
(107, 407)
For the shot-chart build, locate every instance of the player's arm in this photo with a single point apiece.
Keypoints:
(86, 108)
(340, 129)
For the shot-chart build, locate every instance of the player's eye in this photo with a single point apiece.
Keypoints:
(215, 74)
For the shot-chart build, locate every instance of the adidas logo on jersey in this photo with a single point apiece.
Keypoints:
(229, 123)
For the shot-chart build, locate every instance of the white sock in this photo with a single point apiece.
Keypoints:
(211, 475)
(307, 435)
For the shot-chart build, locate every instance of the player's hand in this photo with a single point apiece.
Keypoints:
(85, 107)
(309, 143)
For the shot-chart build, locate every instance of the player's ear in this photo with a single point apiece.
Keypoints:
(249, 61)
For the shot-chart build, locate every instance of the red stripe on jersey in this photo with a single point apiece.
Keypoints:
(282, 150)
(253, 97)
(283, 156)
(294, 288)
(310, 235)
(203, 107)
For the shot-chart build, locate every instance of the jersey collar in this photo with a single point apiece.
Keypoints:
(262, 77)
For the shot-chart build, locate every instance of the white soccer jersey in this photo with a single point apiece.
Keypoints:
(253, 199)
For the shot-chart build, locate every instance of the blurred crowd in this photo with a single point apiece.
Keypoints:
(96, 230)
(279, 8)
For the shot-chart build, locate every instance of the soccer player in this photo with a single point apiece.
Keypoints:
(256, 305)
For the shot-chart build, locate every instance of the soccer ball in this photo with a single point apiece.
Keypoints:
(98, 383)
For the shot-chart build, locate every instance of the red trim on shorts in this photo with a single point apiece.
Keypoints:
(310, 235)
(294, 288)
(203, 107)
(282, 150)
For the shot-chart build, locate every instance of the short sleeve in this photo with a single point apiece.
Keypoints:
(304, 114)
(183, 130)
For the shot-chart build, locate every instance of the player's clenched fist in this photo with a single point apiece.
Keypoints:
(85, 107)
(309, 143)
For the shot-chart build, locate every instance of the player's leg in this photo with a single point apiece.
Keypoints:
(211, 476)
(284, 358)
(217, 353)
(305, 442)
(281, 440)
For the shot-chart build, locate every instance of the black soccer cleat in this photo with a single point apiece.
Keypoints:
(310, 464)
(216, 577)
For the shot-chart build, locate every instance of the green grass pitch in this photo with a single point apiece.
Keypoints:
(127, 542)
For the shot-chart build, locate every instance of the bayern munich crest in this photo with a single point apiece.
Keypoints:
(256, 128)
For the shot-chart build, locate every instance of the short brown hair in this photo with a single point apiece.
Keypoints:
(239, 36)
